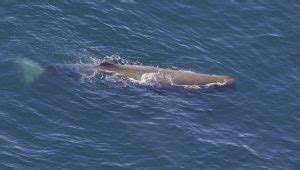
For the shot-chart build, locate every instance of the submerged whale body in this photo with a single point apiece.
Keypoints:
(147, 74)
(169, 76)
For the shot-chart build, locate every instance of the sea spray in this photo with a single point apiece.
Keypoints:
(30, 69)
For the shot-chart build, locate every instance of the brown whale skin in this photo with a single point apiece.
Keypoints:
(177, 77)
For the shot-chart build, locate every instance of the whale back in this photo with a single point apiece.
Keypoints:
(131, 71)
(177, 77)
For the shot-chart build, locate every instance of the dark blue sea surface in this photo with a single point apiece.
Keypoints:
(50, 121)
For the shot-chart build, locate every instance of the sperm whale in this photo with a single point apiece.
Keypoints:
(173, 77)
(145, 73)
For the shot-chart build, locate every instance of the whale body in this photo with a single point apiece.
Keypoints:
(169, 76)
(146, 73)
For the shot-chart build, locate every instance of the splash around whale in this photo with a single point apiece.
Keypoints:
(148, 75)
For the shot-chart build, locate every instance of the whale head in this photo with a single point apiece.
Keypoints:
(229, 81)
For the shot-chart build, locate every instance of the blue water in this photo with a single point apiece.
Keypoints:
(55, 121)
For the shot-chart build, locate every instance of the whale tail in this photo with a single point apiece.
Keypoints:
(30, 69)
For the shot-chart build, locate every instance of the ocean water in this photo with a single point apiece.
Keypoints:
(50, 121)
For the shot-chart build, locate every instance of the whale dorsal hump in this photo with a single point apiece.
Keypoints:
(107, 64)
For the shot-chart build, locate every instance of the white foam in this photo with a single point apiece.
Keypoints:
(156, 79)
